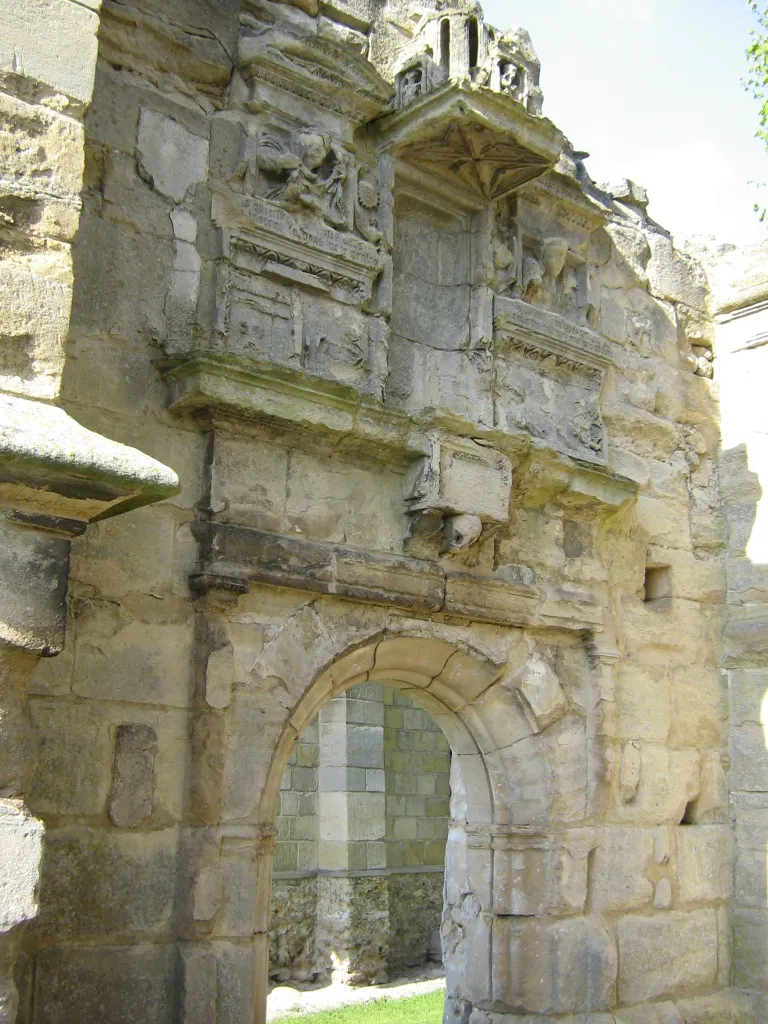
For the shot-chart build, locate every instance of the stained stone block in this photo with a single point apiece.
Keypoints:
(73, 760)
(197, 982)
(130, 800)
(100, 884)
(750, 939)
(80, 984)
(669, 954)
(557, 968)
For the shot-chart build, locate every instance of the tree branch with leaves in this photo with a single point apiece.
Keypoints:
(756, 81)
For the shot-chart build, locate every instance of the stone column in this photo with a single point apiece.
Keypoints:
(352, 906)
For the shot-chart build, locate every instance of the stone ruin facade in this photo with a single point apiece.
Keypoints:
(325, 367)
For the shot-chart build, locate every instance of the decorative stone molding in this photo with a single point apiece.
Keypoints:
(234, 557)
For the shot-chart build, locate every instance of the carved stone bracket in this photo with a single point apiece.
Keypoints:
(460, 487)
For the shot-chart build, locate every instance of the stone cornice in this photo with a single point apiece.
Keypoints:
(336, 418)
(573, 346)
(53, 467)
(239, 556)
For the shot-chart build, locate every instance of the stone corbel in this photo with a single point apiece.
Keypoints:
(456, 494)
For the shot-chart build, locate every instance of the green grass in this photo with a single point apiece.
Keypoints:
(426, 1009)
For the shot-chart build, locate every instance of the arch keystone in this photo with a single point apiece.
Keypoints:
(412, 659)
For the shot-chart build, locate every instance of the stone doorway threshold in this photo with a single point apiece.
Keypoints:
(296, 998)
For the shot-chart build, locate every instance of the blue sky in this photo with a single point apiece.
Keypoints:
(652, 89)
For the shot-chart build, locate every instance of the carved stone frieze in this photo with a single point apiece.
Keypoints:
(549, 374)
(330, 261)
(541, 251)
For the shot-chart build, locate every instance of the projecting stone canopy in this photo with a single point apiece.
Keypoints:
(482, 143)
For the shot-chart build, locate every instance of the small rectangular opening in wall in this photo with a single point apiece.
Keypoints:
(445, 45)
(474, 42)
(658, 583)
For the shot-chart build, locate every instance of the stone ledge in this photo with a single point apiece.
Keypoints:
(334, 418)
(50, 465)
(238, 556)
(569, 342)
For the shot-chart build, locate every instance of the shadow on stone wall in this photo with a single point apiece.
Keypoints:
(744, 661)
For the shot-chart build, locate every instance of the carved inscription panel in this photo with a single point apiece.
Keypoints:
(549, 376)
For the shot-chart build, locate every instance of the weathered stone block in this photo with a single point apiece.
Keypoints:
(130, 800)
(667, 955)
(219, 676)
(170, 157)
(674, 276)
(21, 845)
(750, 935)
(553, 968)
(705, 863)
(41, 55)
(138, 661)
(81, 983)
(99, 884)
(73, 758)
(618, 869)
(669, 780)
(723, 1008)
(643, 703)
(699, 707)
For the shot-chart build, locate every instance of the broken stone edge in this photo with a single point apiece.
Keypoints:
(83, 475)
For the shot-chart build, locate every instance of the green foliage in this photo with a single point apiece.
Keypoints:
(757, 74)
(426, 1009)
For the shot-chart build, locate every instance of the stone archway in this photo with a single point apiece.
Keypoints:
(514, 864)
(450, 684)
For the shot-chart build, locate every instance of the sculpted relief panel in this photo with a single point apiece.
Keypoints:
(343, 255)
(298, 203)
(551, 271)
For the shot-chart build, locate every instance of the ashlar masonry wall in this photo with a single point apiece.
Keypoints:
(442, 420)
